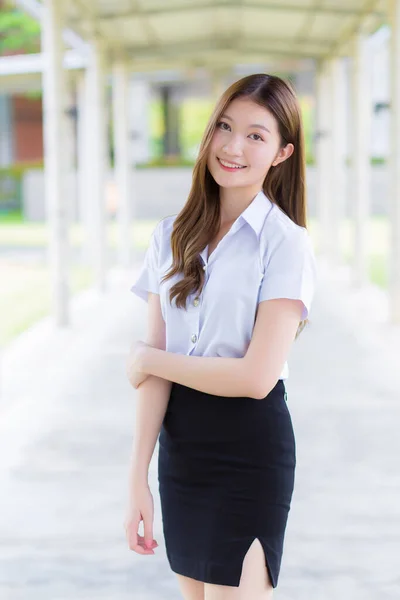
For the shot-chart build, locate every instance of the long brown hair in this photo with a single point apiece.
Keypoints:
(199, 220)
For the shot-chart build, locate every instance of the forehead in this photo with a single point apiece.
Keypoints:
(245, 112)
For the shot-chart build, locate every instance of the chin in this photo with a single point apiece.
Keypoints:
(224, 182)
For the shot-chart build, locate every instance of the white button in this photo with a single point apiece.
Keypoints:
(196, 302)
(194, 338)
(204, 268)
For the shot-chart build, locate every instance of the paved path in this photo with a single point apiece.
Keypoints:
(66, 422)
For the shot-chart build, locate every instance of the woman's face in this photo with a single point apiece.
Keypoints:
(247, 139)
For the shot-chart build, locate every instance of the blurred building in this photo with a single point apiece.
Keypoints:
(21, 129)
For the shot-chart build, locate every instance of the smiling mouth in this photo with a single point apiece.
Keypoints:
(229, 165)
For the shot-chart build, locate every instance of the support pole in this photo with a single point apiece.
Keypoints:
(338, 199)
(394, 247)
(96, 121)
(360, 159)
(324, 158)
(122, 161)
(217, 83)
(54, 121)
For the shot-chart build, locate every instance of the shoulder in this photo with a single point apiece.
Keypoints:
(160, 241)
(167, 222)
(279, 233)
(162, 231)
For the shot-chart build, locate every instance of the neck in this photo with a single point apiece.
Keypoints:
(234, 201)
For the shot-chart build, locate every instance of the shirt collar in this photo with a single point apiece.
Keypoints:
(255, 215)
(257, 211)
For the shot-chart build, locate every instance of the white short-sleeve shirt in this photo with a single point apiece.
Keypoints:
(264, 255)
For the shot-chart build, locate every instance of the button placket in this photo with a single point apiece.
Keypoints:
(194, 319)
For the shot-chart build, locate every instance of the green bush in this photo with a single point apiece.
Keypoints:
(18, 169)
(11, 187)
(166, 161)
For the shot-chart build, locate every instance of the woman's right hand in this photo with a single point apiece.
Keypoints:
(141, 508)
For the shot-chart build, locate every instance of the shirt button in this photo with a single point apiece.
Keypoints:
(194, 338)
(204, 268)
(196, 302)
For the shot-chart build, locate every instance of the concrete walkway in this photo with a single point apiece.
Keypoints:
(66, 422)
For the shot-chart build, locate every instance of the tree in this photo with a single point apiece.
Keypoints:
(19, 32)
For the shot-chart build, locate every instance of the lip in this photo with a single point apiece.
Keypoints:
(230, 169)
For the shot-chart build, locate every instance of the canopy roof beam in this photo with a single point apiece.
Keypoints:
(364, 23)
(232, 4)
(211, 45)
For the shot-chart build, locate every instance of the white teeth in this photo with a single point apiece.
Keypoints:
(226, 164)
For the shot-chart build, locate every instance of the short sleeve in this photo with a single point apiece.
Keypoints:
(291, 271)
(148, 278)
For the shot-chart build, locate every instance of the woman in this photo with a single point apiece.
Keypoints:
(229, 283)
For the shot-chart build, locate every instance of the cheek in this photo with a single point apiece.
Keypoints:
(216, 139)
(213, 146)
(262, 157)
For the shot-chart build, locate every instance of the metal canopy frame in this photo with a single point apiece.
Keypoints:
(154, 35)
(341, 10)
(160, 34)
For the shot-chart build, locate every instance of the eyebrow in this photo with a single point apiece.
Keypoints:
(253, 125)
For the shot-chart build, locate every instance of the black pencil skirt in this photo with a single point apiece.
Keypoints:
(226, 471)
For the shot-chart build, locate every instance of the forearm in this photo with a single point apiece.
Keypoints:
(212, 375)
(151, 404)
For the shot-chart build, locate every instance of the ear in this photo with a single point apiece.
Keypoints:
(283, 154)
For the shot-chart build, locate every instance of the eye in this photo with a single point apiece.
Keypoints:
(222, 123)
(259, 136)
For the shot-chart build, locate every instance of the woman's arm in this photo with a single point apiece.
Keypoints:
(213, 375)
(151, 404)
(252, 376)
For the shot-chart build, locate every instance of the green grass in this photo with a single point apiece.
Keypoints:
(15, 234)
(14, 216)
(26, 297)
(378, 240)
(379, 270)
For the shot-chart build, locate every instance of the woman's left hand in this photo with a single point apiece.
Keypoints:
(135, 362)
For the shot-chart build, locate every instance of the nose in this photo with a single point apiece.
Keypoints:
(233, 147)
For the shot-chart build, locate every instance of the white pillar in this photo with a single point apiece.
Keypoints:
(6, 137)
(338, 134)
(218, 85)
(394, 247)
(360, 156)
(139, 95)
(122, 163)
(69, 157)
(324, 158)
(83, 164)
(54, 121)
(96, 121)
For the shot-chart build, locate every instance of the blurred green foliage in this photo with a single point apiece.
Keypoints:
(194, 115)
(19, 169)
(166, 161)
(11, 187)
(23, 308)
(19, 33)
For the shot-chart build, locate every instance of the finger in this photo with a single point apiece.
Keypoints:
(135, 540)
(132, 529)
(138, 546)
(139, 550)
(148, 530)
(146, 549)
(142, 541)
